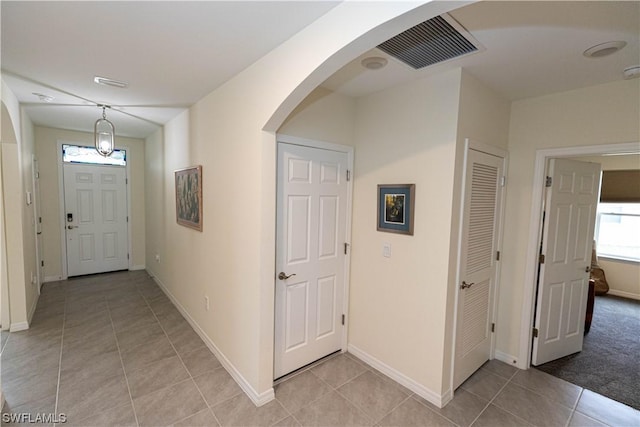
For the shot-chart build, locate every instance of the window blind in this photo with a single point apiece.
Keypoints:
(620, 186)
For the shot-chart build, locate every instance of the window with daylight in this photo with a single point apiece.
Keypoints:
(89, 155)
(618, 231)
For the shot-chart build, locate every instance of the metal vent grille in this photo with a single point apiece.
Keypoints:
(428, 43)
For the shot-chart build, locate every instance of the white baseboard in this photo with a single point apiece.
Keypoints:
(507, 358)
(623, 294)
(137, 267)
(422, 391)
(52, 279)
(20, 326)
(258, 399)
(32, 310)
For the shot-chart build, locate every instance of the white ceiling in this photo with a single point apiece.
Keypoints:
(174, 53)
(531, 48)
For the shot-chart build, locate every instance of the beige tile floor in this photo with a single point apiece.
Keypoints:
(112, 350)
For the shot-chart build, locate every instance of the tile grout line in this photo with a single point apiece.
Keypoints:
(124, 371)
(64, 318)
(180, 357)
(494, 398)
(366, 416)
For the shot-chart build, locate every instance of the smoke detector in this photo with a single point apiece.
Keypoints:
(604, 49)
(631, 72)
(373, 62)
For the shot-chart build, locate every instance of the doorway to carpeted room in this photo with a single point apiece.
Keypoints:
(608, 363)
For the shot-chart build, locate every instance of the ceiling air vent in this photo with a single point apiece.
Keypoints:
(439, 39)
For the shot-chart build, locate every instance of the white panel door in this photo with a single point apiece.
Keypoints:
(311, 231)
(567, 239)
(481, 218)
(95, 199)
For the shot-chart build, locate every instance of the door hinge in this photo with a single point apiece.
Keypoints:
(37, 175)
(348, 175)
(493, 327)
(343, 319)
(498, 256)
(346, 247)
(503, 181)
(541, 259)
(126, 180)
(127, 256)
(548, 182)
(42, 263)
(535, 332)
(127, 219)
(40, 219)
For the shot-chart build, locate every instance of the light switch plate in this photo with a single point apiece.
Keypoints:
(386, 250)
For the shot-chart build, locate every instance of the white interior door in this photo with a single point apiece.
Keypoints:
(569, 223)
(310, 260)
(481, 220)
(95, 199)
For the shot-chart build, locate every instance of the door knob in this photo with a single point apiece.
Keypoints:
(71, 227)
(284, 276)
(466, 285)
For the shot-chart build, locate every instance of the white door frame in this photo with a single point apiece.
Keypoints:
(535, 231)
(37, 214)
(63, 223)
(280, 138)
(471, 144)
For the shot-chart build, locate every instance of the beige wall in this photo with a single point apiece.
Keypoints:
(323, 116)
(409, 133)
(46, 147)
(398, 305)
(232, 260)
(603, 114)
(19, 232)
(27, 151)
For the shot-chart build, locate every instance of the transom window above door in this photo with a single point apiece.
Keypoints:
(89, 155)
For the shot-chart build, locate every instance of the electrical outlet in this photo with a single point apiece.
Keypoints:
(206, 303)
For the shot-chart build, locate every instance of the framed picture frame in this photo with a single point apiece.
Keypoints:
(189, 197)
(396, 204)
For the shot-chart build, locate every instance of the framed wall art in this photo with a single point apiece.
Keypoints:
(189, 197)
(395, 208)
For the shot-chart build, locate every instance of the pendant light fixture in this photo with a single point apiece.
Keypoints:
(104, 134)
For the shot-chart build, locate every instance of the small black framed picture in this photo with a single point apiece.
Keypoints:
(396, 207)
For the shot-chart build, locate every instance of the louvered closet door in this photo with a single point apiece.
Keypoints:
(482, 200)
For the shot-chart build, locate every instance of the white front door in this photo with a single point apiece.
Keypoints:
(95, 199)
(310, 259)
(481, 220)
(567, 239)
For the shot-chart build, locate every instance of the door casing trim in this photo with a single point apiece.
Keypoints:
(535, 231)
(348, 150)
(63, 239)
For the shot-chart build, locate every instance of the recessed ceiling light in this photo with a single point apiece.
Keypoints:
(604, 49)
(373, 62)
(106, 81)
(44, 98)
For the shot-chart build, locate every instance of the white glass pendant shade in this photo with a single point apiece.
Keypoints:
(104, 135)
